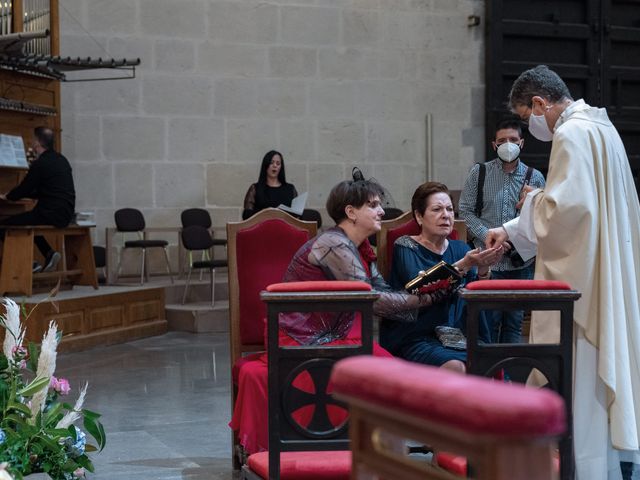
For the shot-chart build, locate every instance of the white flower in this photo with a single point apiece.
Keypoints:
(46, 366)
(73, 415)
(4, 475)
(14, 335)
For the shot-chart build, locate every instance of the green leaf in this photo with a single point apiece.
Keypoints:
(20, 407)
(52, 414)
(34, 387)
(15, 418)
(90, 414)
(59, 432)
(34, 353)
(4, 363)
(48, 442)
(84, 461)
(95, 428)
(90, 448)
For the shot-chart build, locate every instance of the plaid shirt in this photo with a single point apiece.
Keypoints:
(500, 195)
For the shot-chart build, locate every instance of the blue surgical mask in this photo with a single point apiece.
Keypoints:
(539, 129)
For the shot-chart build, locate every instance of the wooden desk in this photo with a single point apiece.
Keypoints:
(16, 271)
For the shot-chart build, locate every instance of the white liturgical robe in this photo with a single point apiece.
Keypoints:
(586, 224)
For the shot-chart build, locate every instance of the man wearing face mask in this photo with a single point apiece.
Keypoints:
(586, 225)
(489, 199)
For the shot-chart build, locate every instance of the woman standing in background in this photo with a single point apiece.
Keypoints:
(271, 189)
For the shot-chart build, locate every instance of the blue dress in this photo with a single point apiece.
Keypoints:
(416, 341)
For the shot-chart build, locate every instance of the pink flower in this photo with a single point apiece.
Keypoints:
(60, 385)
(20, 352)
(79, 472)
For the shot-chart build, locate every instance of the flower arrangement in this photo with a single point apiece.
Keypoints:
(37, 429)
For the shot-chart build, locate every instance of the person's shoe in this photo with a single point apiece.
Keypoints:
(36, 267)
(51, 262)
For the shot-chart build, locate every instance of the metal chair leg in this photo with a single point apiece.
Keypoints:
(166, 258)
(115, 280)
(144, 254)
(213, 286)
(186, 287)
(202, 257)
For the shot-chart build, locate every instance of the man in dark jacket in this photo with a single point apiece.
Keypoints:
(50, 181)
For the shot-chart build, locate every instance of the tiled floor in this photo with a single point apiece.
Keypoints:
(164, 403)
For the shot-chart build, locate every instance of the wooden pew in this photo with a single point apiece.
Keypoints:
(507, 431)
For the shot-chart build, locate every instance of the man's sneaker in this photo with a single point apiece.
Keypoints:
(36, 267)
(51, 262)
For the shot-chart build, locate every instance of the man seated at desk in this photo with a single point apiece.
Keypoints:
(50, 181)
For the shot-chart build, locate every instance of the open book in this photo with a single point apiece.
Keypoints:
(439, 277)
(297, 204)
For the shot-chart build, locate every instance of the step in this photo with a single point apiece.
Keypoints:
(198, 317)
(199, 290)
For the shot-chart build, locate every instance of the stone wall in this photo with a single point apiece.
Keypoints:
(330, 83)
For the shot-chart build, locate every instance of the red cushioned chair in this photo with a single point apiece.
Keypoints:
(507, 431)
(405, 224)
(553, 361)
(259, 251)
(299, 379)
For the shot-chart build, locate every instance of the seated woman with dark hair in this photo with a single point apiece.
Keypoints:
(271, 188)
(340, 253)
(432, 208)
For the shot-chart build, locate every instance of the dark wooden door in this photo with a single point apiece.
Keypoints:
(594, 45)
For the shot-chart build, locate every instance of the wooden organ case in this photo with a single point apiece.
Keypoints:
(27, 99)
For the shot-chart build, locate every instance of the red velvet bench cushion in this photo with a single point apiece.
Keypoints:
(333, 465)
(518, 285)
(469, 403)
(319, 286)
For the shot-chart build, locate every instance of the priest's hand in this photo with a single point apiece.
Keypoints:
(523, 195)
(496, 237)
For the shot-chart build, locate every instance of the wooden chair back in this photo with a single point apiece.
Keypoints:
(259, 251)
(405, 224)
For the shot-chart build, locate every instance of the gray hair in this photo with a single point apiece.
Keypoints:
(540, 81)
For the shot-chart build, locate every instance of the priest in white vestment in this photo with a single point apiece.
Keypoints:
(586, 226)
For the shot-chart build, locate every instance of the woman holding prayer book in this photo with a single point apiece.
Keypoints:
(425, 341)
(339, 253)
(271, 189)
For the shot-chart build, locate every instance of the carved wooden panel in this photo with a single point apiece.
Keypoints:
(106, 317)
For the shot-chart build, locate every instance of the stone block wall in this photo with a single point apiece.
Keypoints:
(330, 83)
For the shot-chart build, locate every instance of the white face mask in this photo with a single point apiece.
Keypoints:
(508, 152)
(539, 129)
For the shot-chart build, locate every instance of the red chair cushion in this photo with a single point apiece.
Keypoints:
(452, 463)
(235, 370)
(263, 254)
(319, 286)
(333, 465)
(518, 285)
(458, 465)
(471, 404)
